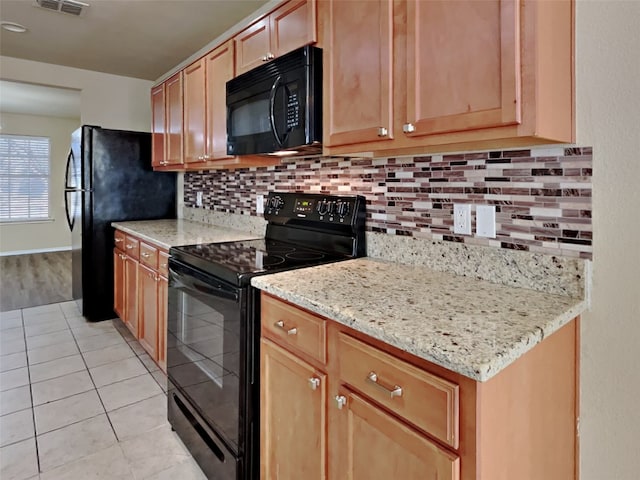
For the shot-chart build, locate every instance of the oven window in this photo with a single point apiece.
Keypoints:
(204, 348)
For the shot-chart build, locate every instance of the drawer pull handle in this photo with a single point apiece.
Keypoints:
(396, 391)
(341, 401)
(129, 247)
(314, 383)
(145, 254)
(118, 240)
(290, 331)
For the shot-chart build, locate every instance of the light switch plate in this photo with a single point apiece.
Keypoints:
(259, 204)
(486, 221)
(462, 219)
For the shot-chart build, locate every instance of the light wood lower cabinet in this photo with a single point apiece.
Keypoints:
(149, 302)
(293, 416)
(343, 405)
(140, 292)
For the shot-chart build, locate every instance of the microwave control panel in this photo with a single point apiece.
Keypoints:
(293, 110)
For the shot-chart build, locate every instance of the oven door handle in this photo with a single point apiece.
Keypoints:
(182, 276)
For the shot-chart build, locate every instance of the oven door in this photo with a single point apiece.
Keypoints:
(206, 344)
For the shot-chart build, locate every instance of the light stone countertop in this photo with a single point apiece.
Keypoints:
(172, 233)
(472, 327)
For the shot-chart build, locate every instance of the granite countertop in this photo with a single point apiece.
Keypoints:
(171, 233)
(472, 327)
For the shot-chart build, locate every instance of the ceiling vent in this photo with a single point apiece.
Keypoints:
(71, 7)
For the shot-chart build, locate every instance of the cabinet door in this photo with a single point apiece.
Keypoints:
(118, 283)
(219, 70)
(372, 444)
(252, 46)
(148, 310)
(292, 26)
(358, 77)
(292, 417)
(157, 126)
(161, 357)
(173, 106)
(194, 96)
(463, 65)
(131, 295)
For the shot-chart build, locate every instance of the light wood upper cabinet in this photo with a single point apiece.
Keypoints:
(358, 72)
(293, 420)
(194, 98)
(290, 26)
(174, 120)
(158, 131)
(463, 65)
(219, 67)
(463, 75)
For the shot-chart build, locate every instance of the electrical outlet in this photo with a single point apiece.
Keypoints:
(198, 199)
(486, 221)
(259, 204)
(462, 219)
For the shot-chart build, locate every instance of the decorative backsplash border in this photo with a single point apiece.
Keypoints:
(542, 196)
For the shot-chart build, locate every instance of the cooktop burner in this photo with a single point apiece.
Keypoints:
(238, 261)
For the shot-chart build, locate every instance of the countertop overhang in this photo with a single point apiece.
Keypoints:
(472, 327)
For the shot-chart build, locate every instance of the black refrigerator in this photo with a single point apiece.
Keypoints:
(109, 178)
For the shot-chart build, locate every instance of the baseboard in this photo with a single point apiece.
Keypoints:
(37, 250)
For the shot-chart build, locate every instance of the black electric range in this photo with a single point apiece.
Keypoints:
(214, 322)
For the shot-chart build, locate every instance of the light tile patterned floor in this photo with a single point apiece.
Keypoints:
(82, 400)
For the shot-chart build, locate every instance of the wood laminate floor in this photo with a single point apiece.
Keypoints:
(34, 279)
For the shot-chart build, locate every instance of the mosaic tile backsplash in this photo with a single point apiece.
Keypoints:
(542, 196)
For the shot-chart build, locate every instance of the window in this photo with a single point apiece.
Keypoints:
(24, 178)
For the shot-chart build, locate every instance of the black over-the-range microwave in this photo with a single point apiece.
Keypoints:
(276, 108)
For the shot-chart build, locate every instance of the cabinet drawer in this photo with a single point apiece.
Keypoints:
(132, 246)
(425, 400)
(120, 239)
(163, 263)
(296, 329)
(149, 255)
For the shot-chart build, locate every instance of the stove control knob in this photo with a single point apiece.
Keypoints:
(343, 209)
(323, 207)
(331, 208)
(276, 203)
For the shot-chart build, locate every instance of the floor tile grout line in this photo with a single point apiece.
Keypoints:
(33, 411)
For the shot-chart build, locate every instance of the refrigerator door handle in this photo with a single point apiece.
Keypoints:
(66, 173)
(70, 218)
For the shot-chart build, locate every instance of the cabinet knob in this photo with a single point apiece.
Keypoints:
(264, 58)
(118, 240)
(395, 391)
(270, 56)
(382, 132)
(152, 276)
(341, 401)
(314, 383)
(129, 247)
(145, 254)
(408, 128)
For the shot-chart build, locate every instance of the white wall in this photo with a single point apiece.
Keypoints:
(608, 118)
(110, 101)
(52, 235)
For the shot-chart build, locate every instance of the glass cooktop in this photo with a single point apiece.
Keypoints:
(237, 262)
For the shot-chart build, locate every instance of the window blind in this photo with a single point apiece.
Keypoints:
(24, 178)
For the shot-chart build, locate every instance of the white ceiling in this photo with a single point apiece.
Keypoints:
(134, 38)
